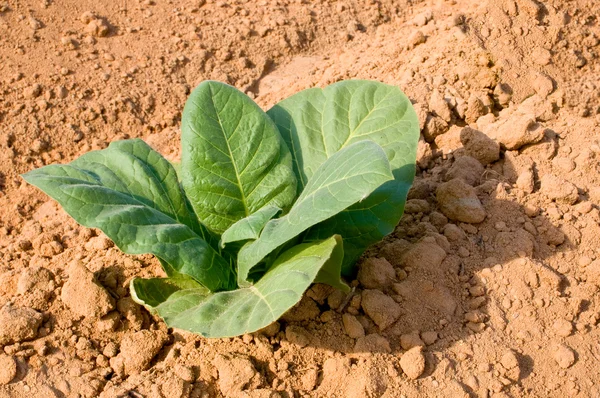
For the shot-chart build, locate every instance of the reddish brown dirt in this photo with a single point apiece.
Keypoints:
(504, 307)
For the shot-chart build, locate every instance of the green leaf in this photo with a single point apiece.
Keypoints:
(232, 313)
(233, 160)
(249, 227)
(316, 123)
(131, 193)
(347, 177)
(154, 291)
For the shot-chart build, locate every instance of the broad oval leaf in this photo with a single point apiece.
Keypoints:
(233, 160)
(250, 227)
(246, 310)
(316, 123)
(131, 193)
(347, 177)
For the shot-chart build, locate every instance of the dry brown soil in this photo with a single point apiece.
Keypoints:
(489, 287)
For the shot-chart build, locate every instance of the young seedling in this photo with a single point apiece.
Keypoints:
(264, 204)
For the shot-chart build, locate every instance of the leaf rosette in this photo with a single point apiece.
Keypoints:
(263, 204)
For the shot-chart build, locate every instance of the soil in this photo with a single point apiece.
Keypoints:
(489, 286)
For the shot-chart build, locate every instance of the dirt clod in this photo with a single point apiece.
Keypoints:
(412, 362)
(564, 356)
(382, 309)
(18, 324)
(8, 369)
(137, 350)
(458, 201)
(83, 295)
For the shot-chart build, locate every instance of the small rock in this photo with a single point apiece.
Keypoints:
(440, 107)
(376, 273)
(352, 326)
(8, 369)
(518, 130)
(36, 285)
(429, 337)
(236, 373)
(562, 327)
(434, 126)
(476, 327)
(382, 309)
(372, 343)
(97, 28)
(559, 190)
(423, 255)
(83, 295)
(454, 233)
(466, 168)
(410, 340)
(475, 109)
(18, 324)
(510, 362)
(137, 350)
(458, 201)
(416, 38)
(525, 181)
(413, 363)
(564, 356)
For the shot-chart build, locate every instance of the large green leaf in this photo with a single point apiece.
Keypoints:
(316, 123)
(245, 310)
(233, 160)
(249, 227)
(131, 193)
(347, 177)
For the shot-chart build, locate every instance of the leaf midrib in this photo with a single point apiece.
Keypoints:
(233, 163)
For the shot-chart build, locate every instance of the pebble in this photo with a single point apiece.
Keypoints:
(83, 295)
(525, 181)
(559, 190)
(510, 362)
(412, 363)
(476, 327)
(516, 131)
(416, 38)
(459, 202)
(137, 351)
(562, 327)
(440, 107)
(18, 324)
(564, 356)
(429, 337)
(454, 233)
(466, 168)
(543, 85)
(423, 255)
(475, 109)
(375, 273)
(352, 326)
(8, 369)
(410, 340)
(382, 309)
